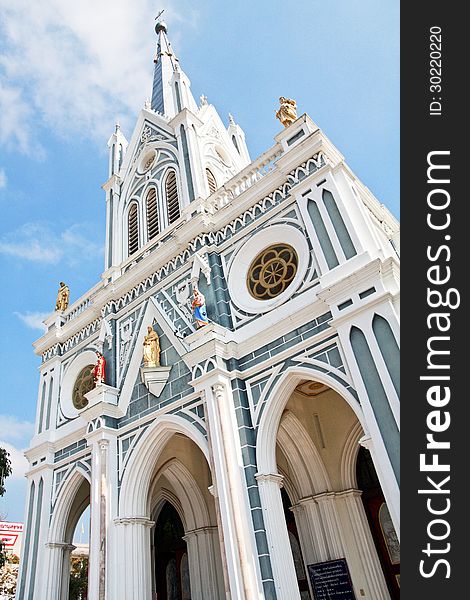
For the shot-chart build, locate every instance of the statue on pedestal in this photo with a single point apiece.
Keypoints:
(99, 370)
(151, 348)
(287, 112)
(199, 309)
(63, 295)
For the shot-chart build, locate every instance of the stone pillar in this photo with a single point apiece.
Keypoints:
(239, 540)
(98, 520)
(58, 561)
(310, 529)
(205, 566)
(331, 526)
(66, 568)
(133, 542)
(366, 571)
(282, 563)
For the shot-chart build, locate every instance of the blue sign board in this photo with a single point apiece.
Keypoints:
(331, 580)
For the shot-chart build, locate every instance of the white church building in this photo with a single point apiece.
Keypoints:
(260, 458)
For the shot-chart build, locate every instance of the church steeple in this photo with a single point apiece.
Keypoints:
(171, 87)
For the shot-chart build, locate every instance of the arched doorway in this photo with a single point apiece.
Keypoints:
(186, 556)
(378, 515)
(79, 558)
(316, 445)
(70, 506)
(171, 556)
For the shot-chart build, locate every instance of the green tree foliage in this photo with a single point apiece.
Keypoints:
(78, 578)
(5, 471)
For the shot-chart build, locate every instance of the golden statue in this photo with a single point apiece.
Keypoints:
(287, 112)
(63, 295)
(151, 348)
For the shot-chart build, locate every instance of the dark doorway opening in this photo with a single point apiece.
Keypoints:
(381, 526)
(171, 557)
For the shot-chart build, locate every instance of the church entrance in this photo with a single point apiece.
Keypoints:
(171, 557)
(321, 493)
(383, 532)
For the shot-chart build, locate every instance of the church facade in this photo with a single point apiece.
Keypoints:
(240, 437)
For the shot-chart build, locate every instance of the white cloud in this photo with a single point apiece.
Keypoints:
(37, 242)
(12, 428)
(34, 320)
(3, 178)
(19, 464)
(76, 67)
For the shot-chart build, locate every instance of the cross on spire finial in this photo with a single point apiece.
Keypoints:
(159, 14)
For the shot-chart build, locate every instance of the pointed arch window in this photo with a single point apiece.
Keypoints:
(133, 229)
(172, 200)
(211, 181)
(153, 225)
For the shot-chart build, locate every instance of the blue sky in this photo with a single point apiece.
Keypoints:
(69, 70)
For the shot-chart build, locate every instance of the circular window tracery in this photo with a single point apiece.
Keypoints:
(83, 384)
(272, 271)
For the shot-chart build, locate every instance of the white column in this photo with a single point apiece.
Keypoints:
(55, 558)
(205, 566)
(133, 553)
(311, 531)
(282, 562)
(364, 564)
(98, 517)
(66, 569)
(332, 528)
(239, 540)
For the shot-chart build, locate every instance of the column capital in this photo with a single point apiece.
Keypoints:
(208, 530)
(134, 521)
(62, 545)
(366, 442)
(270, 477)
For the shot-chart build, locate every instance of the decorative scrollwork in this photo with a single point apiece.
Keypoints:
(272, 271)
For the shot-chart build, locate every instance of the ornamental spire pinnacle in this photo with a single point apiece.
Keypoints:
(166, 65)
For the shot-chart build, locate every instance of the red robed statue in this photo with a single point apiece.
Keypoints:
(99, 372)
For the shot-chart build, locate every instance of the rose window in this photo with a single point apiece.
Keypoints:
(83, 384)
(272, 271)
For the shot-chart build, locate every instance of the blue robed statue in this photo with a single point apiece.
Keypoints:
(199, 309)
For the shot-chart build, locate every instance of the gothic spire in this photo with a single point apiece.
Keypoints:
(167, 96)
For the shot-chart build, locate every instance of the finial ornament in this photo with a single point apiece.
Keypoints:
(287, 112)
(161, 25)
(203, 100)
(63, 295)
(231, 119)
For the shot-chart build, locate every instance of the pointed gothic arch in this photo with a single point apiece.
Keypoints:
(137, 477)
(151, 209)
(172, 197)
(211, 181)
(133, 241)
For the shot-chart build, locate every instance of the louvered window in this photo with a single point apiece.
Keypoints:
(153, 226)
(133, 231)
(211, 181)
(172, 201)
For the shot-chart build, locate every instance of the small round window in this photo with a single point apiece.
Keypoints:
(83, 384)
(272, 271)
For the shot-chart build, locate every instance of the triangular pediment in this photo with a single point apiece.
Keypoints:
(152, 314)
